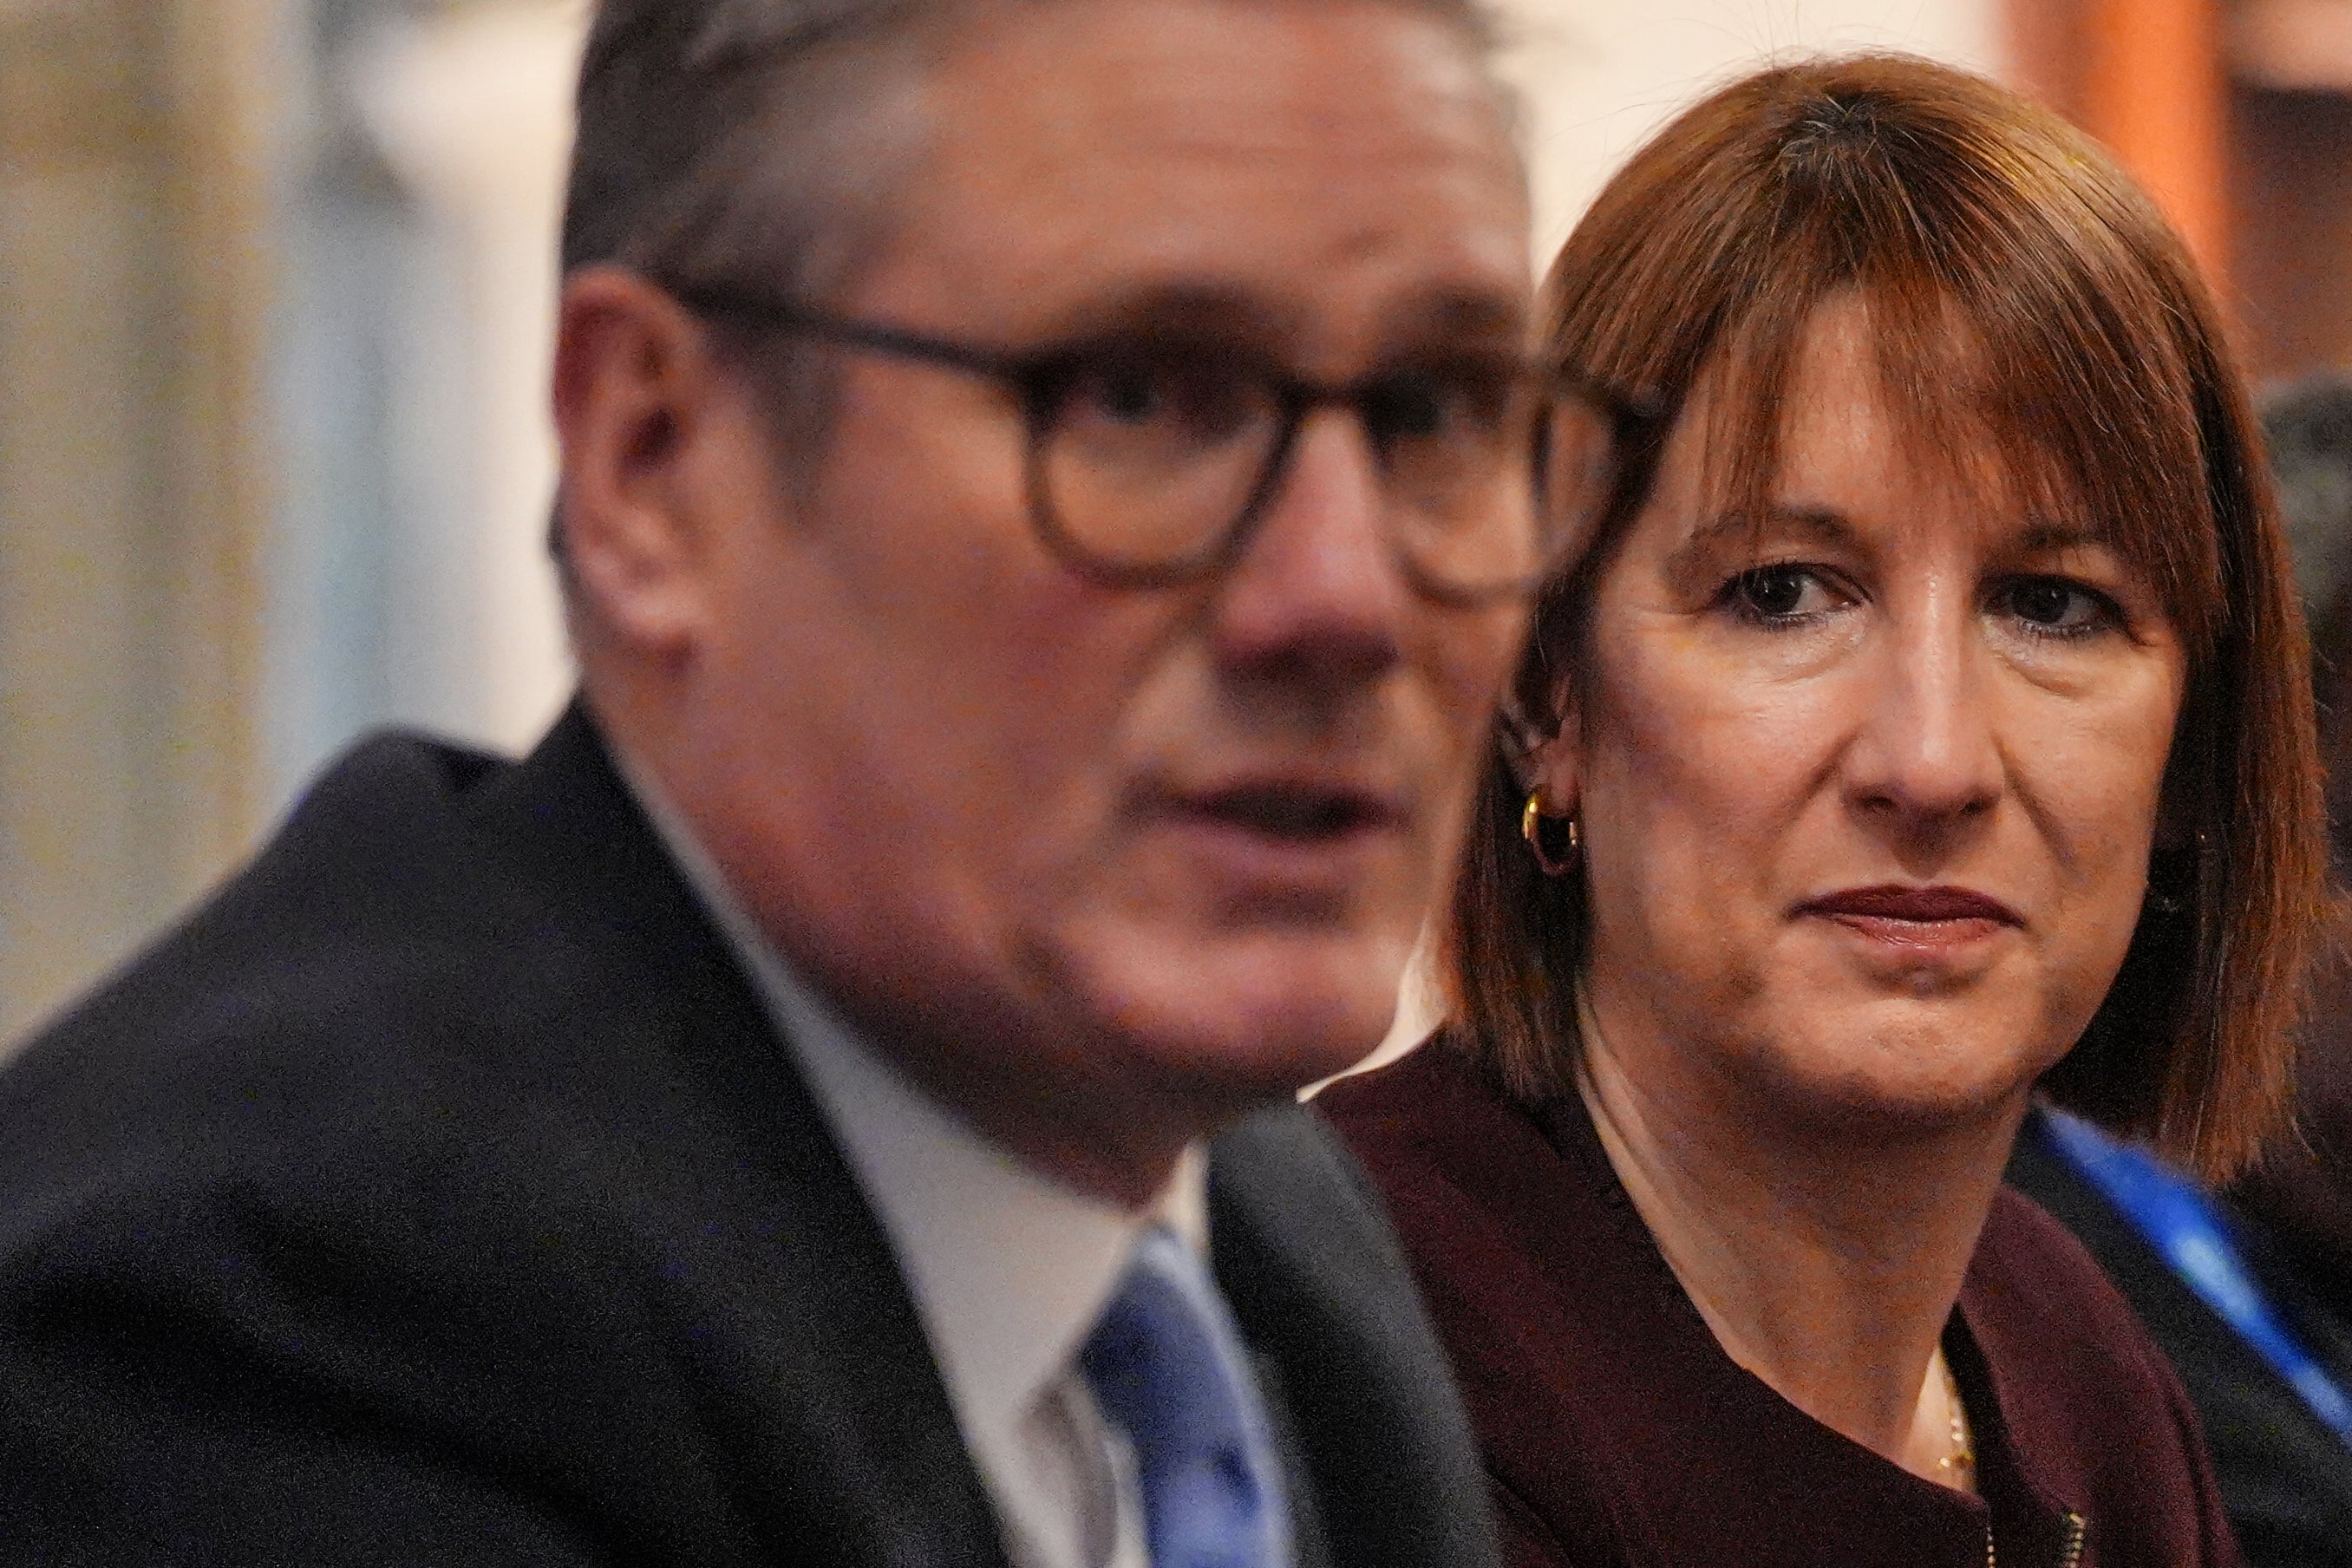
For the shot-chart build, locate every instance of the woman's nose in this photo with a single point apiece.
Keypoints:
(1925, 753)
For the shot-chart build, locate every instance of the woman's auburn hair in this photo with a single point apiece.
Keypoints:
(2024, 295)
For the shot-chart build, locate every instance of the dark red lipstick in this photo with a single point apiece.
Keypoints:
(1932, 918)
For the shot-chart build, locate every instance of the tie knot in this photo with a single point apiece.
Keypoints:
(1168, 1368)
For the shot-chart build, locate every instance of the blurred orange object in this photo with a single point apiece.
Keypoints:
(2156, 90)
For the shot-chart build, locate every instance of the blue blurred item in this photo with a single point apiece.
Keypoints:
(1169, 1368)
(2267, 1365)
(2190, 1229)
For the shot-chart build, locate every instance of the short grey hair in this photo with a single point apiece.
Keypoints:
(721, 137)
(729, 141)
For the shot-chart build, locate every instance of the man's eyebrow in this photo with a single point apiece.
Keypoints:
(1823, 524)
(1454, 315)
(1180, 307)
(1486, 320)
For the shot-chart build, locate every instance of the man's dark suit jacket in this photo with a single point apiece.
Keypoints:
(440, 1195)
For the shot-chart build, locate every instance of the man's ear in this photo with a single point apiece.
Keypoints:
(639, 397)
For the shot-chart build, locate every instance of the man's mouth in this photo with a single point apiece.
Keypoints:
(1295, 812)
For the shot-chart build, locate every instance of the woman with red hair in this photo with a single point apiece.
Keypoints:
(1927, 726)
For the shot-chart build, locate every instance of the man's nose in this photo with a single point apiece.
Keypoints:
(1926, 755)
(1319, 595)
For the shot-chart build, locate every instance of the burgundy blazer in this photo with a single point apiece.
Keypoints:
(1616, 1431)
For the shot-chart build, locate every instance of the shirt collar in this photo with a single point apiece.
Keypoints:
(1008, 1267)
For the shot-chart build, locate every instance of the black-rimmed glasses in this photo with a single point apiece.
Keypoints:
(1152, 459)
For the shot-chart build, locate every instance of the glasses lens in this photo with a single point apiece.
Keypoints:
(1491, 498)
(1148, 459)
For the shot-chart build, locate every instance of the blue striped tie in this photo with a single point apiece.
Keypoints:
(1166, 1365)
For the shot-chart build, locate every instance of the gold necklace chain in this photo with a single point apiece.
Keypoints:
(1960, 1464)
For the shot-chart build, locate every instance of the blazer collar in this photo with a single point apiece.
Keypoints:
(1753, 1465)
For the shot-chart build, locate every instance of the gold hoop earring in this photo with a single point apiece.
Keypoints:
(1531, 830)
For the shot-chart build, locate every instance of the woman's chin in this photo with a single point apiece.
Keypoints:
(1903, 1065)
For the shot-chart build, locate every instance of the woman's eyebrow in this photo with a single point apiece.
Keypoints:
(2043, 537)
(1821, 524)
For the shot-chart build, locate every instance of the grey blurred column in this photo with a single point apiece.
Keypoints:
(412, 587)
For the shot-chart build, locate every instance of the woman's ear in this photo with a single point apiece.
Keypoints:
(2180, 816)
(2174, 830)
(1522, 737)
(1545, 755)
(1554, 769)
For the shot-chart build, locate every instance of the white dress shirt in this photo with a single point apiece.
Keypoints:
(1008, 1269)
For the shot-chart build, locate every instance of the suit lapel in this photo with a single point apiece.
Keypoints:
(1308, 1539)
(856, 1457)
(1381, 1454)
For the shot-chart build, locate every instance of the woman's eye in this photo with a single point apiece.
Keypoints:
(2054, 605)
(1777, 593)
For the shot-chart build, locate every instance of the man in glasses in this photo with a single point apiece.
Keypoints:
(1050, 490)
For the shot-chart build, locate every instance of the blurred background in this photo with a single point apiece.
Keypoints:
(274, 289)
